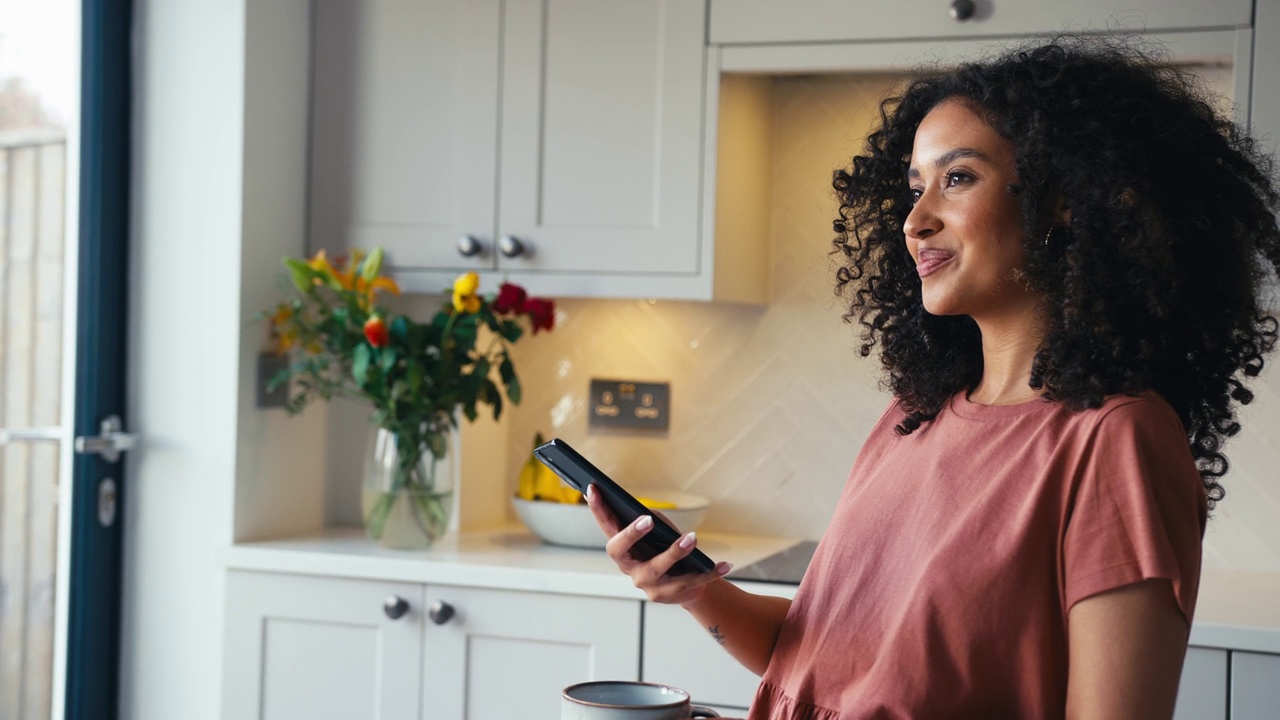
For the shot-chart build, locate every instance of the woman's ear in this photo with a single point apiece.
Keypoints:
(1061, 211)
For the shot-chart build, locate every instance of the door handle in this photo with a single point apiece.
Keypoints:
(110, 443)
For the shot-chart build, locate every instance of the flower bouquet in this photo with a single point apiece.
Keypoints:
(416, 375)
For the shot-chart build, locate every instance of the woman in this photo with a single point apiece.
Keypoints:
(1059, 254)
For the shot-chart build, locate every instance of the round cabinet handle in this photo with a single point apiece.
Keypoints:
(395, 607)
(511, 246)
(962, 10)
(440, 612)
(470, 246)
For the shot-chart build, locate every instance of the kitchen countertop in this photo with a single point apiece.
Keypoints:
(508, 558)
(1237, 609)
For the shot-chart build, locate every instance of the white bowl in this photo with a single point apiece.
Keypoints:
(573, 525)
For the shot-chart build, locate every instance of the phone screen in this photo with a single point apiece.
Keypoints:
(580, 473)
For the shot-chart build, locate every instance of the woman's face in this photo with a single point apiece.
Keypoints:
(965, 228)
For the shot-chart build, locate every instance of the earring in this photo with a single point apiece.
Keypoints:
(1049, 235)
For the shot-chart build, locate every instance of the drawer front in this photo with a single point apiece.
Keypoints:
(779, 21)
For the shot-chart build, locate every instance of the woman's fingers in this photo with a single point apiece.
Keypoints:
(652, 575)
(603, 515)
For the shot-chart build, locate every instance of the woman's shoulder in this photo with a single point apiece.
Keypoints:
(1147, 409)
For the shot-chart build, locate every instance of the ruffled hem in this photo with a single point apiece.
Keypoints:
(772, 703)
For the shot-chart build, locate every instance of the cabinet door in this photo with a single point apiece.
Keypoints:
(1202, 692)
(319, 648)
(602, 134)
(404, 128)
(678, 652)
(1255, 686)
(506, 654)
(766, 21)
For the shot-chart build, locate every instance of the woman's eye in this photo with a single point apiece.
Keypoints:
(958, 178)
(915, 195)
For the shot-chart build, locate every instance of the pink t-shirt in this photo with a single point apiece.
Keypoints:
(942, 585)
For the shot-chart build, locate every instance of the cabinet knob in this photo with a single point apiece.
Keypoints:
(962, 10)
(440, 612)
(395, 607)
(511, 246)
(470, 246)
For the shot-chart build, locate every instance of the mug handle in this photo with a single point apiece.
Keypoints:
(701, 711)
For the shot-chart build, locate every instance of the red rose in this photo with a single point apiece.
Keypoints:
(375, 331)
(511, 299)
(542, 314)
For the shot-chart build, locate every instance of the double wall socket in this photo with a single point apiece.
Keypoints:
(623, 403)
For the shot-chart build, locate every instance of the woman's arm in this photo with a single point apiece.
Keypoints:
(746, 625)
(1126, 649)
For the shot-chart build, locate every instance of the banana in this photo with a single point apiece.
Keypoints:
(538, 482)
(656, 504)
(528, 486)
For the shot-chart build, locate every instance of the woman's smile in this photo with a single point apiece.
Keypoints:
(930, 259)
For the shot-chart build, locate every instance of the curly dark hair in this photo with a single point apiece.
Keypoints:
(1157, 283)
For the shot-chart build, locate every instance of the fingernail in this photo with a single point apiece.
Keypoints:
(591, 492)
(687, 541)
(724, 568)
(644, 523)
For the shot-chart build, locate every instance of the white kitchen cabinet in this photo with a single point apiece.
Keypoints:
(788, 21)
(679, 652)
(571, 128)
(312, 648)
(507, 654)
(1255, 686)
(1202, 691)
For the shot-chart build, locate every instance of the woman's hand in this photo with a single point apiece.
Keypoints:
(651, 575)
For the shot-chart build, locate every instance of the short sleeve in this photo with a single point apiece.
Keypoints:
(1138, 508)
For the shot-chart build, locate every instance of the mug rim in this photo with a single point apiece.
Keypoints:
(565, 693)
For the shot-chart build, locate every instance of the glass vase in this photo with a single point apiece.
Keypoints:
(407, 498)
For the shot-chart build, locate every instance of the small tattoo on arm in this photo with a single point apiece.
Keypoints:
(715, 633)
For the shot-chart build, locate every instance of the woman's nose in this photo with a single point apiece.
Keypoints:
(921, 222)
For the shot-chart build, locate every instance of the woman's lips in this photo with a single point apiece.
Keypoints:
(930, 260)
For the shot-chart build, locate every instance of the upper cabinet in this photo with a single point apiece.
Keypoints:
(779, 21)
(555, 142)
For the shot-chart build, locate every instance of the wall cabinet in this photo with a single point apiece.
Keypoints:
(781, 21)
(559, 142)
(312, 648)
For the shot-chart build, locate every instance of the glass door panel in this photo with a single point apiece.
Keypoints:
(39, 57)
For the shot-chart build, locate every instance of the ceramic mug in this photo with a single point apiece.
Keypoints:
(626, 700)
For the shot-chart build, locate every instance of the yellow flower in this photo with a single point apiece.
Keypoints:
(465, 299)
(320, 263)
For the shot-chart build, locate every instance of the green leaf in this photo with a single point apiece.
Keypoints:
(387, 358)
(481, 368)
(510, 330)
(513, 390)
(360, 364)
(301, 273)
(506, 369)
(371, 265)
(399, 329)
(494, 398)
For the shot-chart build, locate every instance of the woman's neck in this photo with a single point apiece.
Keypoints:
(1008, 351)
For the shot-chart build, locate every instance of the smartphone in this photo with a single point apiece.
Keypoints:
(580, 473)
